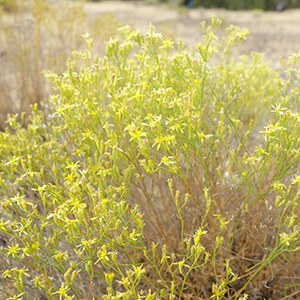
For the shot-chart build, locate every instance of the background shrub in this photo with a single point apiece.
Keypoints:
(8, 5)
(234, 4)
(39, 35)
(249, 4)
(157, 173)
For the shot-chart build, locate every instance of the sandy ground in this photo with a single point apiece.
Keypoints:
(277, 34)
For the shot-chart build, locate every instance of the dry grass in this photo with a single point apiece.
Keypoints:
(39, 35)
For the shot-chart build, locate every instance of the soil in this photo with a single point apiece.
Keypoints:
(277, 34)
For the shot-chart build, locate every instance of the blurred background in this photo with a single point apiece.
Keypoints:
(37, 35)
(232, 4)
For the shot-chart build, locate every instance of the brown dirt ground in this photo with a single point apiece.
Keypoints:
(277, 34)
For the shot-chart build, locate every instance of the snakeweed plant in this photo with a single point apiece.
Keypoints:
(157, 173)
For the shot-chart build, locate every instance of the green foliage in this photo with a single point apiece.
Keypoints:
(234, 4)
(247, 4)
(158, 173)
(8, 5)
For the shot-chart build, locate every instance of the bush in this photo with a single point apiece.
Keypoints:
(249, 4)
(158, 173)
(8, 5)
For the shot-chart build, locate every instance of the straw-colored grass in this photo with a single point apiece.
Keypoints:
(38, 35)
